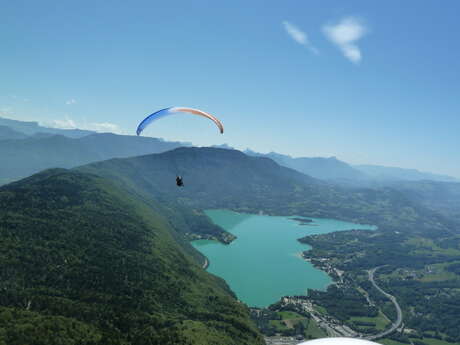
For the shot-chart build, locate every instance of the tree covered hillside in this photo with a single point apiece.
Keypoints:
(84, 262)
(220, 178)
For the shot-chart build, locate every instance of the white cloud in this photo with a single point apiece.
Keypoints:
(62, 124)
(344, 34)
(71, 101)
(68, 123)
(104, 127)
(299, 36)
(6, 111)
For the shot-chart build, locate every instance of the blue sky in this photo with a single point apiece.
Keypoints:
(372, 82)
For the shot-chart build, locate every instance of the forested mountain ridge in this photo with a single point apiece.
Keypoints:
(221, 178)
(109, 221)
(85, 262)
(411, 237)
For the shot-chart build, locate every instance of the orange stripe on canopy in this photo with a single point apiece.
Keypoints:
(200, 113)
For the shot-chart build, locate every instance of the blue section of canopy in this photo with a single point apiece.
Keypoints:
(152, 117)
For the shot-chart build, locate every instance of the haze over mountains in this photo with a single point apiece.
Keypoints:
(32, 127)
(333, 169)
(39, 148)
(28, 148)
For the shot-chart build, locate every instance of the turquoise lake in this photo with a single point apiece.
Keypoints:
(263, 263)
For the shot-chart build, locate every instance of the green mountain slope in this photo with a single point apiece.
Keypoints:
(220, 178)
(84, 262)
(442, 197)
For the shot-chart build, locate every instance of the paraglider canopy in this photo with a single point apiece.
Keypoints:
(172, 110)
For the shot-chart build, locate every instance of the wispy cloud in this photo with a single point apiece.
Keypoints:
(71, 101)
(17, 98)
(68, 123)
(299, 36)
(344, 34)
(61, 124)
(6, 111)
(104, 127)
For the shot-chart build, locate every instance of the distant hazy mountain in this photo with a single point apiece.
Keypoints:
(8, 133)
(392, 173)
(355, 175)
(21, 158)
(443, 197)
(105, 146)
(323, 168)
(30, 128)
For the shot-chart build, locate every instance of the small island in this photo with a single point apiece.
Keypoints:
(303, 221)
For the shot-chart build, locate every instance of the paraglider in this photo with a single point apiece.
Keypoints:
(172, 110)
(179, 181)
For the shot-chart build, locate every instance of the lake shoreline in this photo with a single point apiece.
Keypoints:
(267, 261)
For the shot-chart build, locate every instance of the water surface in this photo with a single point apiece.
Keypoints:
(264, 263)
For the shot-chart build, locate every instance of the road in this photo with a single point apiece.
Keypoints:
(398, 321)
(333, 327)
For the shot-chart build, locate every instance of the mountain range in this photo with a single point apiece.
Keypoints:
(335, 170)
(32, 127)
(222, 178)
(23, 157)
(27, 147)
(99, 254)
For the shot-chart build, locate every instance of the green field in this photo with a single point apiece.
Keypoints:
(432, 341)
(380, 321)
(428, 341)
(314, 331)
(439, 273)
(427, 246)
(286, 315)
(278, 325)
(390, 342)
(431, 273)
(320, 309)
